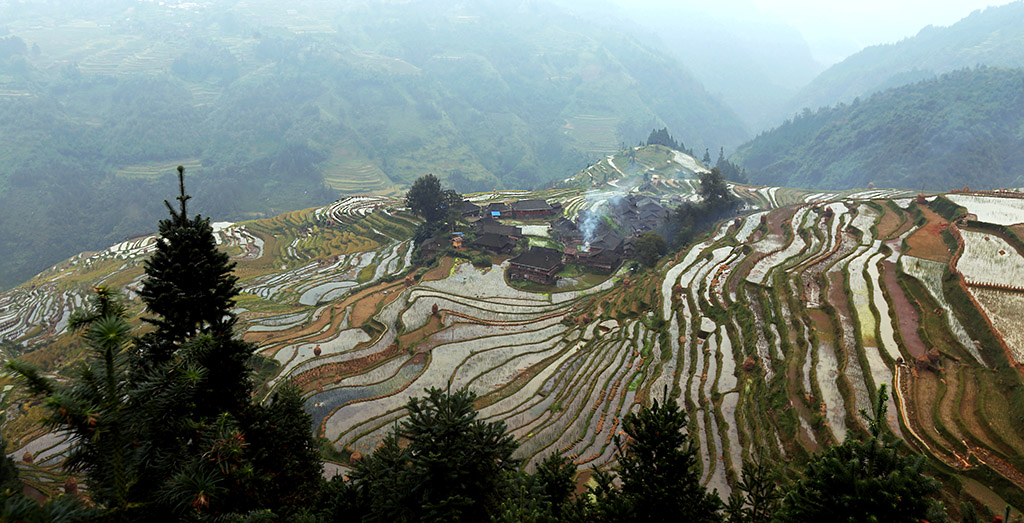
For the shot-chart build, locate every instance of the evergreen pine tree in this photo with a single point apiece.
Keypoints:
(657, 464)
(188, 284)
(10, 482)
(757, 495)
(863, 480)
(95, 408)
(658, 467)
(455, 467)
(190, 287)
(279, 434)
(174, 432)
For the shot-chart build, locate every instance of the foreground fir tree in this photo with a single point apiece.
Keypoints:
(864, 480)
(658, 470)
(188, 284)
(168, 429)
(190, 289)
(441, 464)
(95, 408)
(757, 496)
(210, 450)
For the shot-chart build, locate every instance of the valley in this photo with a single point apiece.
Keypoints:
(773, 331)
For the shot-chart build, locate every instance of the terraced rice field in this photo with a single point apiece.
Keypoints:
(353, 175)
(154, 170)
(592, 133)
(991, 209)
(989, 260)
(773, 331)
(1004, 309)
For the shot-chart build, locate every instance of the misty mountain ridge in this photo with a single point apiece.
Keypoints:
(993, 36)
(962, 128)
(273, 109)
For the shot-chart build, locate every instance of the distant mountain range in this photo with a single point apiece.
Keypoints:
(273, 109)
(994, 37)
(962, 128)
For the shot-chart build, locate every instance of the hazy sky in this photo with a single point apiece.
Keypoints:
(837, 28)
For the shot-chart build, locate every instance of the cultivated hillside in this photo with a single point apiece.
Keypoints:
(963, 128)
(276, 109)
(772, 331)
(637, 166)
(994, 36)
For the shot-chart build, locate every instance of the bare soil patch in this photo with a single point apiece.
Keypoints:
(947, 405)
(926, 242)
(924, 393)
(822, 324)
(908, 224)
(443, 269)
(777, 219)
(412, 337)
(889, 224)
(907, 317)
(366, 307)
(334, 372)
(333, 315)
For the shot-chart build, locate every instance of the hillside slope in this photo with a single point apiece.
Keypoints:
(963, 128)
(277, 109)
(772, 331)
(994, 37)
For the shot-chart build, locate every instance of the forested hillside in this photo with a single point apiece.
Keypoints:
(994, 37)
(964, 127)
(274, 109)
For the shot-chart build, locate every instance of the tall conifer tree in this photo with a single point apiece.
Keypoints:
(864, 480)
(658, 468)
(188, 284)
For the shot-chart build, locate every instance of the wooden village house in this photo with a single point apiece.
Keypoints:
(539, 264)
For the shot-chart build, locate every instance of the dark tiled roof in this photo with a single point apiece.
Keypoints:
(648, 213)
(539, 258)
(468, 206)
(563, 224)
(646, 201)
(531, 205)
(606, 257)
(497, 206)
(607, 241)
(494, 241)
(497, 228)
